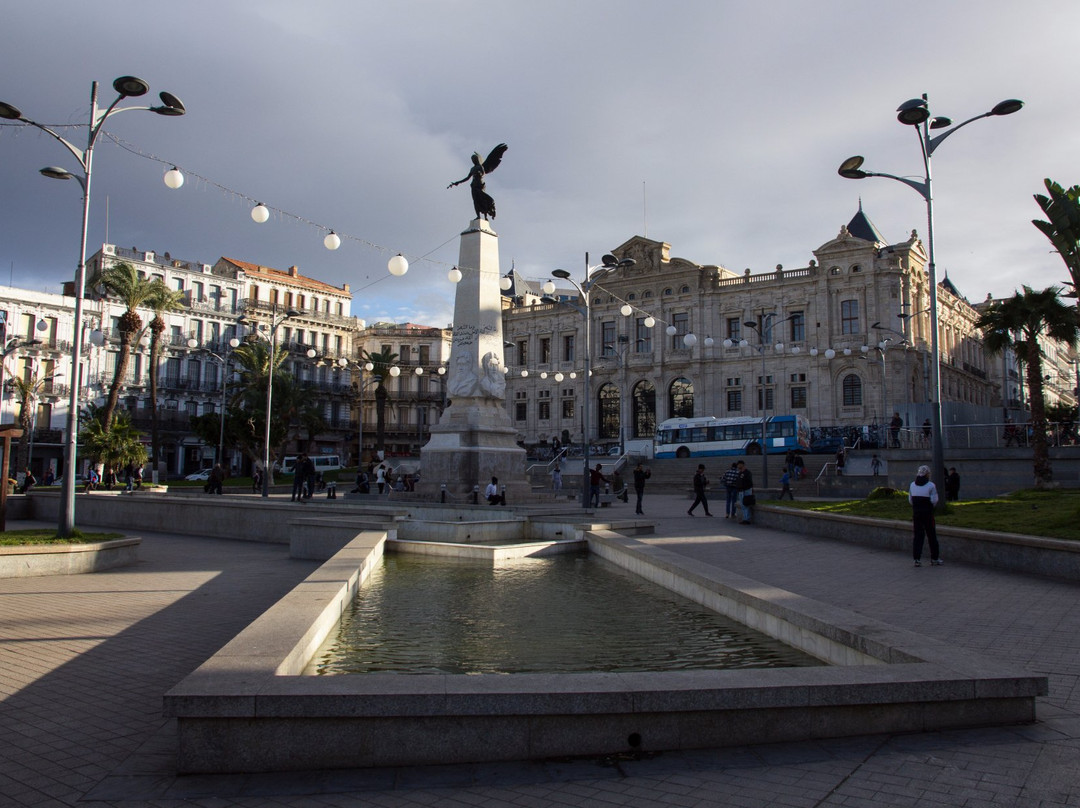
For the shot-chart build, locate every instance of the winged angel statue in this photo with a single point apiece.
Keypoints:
(482, 202)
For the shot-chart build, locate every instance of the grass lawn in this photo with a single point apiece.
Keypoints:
(1034, 513)
(19, 538)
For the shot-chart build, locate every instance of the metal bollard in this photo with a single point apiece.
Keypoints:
(502, 495)
(476, 495)
(442, 493)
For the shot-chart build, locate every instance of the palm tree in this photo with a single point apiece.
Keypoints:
(1017, 323)
(162, 300)
(253, 358)
(1062, 209)
(27, 391)
(115, 446)
(123, 281)
(382, 361)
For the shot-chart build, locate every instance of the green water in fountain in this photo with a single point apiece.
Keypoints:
(564, 614)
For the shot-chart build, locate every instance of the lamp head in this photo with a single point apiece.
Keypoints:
(849, 169)
(292, 313)
(9, 113)
(170, 105)
(131, 87)
(940, 122)
(610, 260)
(913, 112)
(1007, 107)
(560, 273)
(750, 324)
(57, 173)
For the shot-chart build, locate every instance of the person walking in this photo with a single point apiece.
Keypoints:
(785, 486)
(556, 478)
(641, 474)
(923, 496)
(800, 468)
(380, 478)
(700, 484)
(840, 457)
(875, 465)
(307, 468)
(730, 481)
(747, 500)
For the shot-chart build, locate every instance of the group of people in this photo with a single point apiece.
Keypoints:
(384, 479)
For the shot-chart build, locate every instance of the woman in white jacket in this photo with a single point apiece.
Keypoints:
(923, 496)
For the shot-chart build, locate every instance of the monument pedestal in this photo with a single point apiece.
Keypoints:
(472, 443)
(475, 440)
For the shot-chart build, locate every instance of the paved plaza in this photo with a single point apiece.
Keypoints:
(84, 661)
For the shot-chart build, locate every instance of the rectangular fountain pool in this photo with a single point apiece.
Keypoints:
(250, 709)
(561, 614)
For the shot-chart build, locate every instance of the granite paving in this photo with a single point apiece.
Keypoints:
(85, 659)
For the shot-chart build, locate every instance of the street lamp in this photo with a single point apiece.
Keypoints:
(761, 328)
(916, 113)
(125, 87)
(344, 362)
(275, 321)
(224, 360)
(609, 265)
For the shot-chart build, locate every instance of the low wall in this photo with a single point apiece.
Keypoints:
(1058, 558)
(247, 710)
(30, 561)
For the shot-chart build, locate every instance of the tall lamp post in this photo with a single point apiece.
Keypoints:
(760, 329)
(609, 265)
(224, 361)
(916, 114)
(125, 87)
(275, 321)
(344, 362)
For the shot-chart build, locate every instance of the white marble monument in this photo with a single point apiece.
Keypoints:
(475, 440)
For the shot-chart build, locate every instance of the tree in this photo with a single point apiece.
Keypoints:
(1016, 323)
(293, 410)
(116, 445)
(124, 282)
(383, 360)
(27, 392)
(1062, 209)
(162, 300)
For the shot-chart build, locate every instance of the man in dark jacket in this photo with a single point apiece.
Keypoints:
(700, 482)
(745, 485)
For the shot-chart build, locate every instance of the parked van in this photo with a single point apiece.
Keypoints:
(323, 463)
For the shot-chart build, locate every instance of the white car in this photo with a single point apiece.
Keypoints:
(199, 476)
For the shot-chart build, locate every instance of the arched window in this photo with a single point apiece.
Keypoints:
(646, 294)
(667, 292)
(631, 296)
(643, 416)
(852, 390)
(608, 400)
(681, 399)
(684, 290)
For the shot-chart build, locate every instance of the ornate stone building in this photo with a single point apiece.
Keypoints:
(844, 341)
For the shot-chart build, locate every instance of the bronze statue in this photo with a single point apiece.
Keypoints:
(482, 203)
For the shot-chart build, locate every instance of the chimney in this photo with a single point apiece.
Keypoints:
(294, 271)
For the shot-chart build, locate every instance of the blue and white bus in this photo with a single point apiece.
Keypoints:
(709, 436)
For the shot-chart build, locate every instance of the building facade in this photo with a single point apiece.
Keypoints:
(844, 341)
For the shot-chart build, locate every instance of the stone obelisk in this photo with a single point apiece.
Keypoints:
(475, 440)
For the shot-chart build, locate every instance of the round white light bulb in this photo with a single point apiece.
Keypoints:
(813, 351)
(689, 340)
(847, 351)
(626, 310)
(174, 178)
(548, 287)
(543, 375)
(559, 377)
(671, 330)
(573, 374)
(650, 321)
(398, 265)
(332, 241)
(419, 371)
(260, 213)
(454, 275)
(395, 371)
(524, 373)
(505, 283)
(709, 342)
(442, 370)
(830, 353)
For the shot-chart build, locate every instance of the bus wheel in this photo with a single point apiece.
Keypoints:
(753, 449)
(682, 451)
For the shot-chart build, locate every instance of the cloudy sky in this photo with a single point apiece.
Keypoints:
(714, 125)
